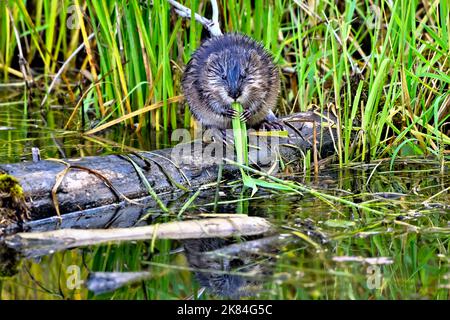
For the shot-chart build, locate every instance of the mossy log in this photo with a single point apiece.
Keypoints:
(93, 182)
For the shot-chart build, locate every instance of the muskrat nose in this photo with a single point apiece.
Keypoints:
(234, 93)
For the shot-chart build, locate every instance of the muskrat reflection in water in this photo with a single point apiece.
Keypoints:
(224, 282)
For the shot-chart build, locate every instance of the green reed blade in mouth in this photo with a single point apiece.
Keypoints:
(240, 135)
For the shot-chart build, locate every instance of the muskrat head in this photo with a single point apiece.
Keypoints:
(235, 75)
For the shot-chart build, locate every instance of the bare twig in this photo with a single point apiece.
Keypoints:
(60, 176)
(74, 53)
(59, 73)
(306, 8)
(211, 25)
(22, 61)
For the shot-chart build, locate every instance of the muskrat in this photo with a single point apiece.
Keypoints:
(232, 68)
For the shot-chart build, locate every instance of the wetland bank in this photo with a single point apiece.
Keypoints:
(368, 220)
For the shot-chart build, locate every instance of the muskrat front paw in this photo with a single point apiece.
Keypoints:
(271, 125)
(231, 113)
(245, 115)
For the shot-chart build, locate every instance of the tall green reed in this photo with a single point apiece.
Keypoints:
(380, 67)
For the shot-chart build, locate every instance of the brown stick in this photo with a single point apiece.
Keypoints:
(239, 225)
(211, 25)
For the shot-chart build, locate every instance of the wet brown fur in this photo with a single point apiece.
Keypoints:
(225, 62)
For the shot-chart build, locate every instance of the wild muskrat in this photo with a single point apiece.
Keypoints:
(229, 68)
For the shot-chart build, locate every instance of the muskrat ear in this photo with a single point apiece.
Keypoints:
(212, 58)
(253, 54)
(254, 59)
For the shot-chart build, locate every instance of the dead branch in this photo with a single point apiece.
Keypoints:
(60, 71)
(22, 61)
(212, 25)
(38, 243)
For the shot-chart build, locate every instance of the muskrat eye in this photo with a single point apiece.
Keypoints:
(224, 77)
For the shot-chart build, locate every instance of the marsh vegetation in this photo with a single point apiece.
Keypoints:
(375, 225)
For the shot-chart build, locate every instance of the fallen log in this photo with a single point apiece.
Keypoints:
(90, 182)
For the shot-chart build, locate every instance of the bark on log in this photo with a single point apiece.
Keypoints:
(80, 189)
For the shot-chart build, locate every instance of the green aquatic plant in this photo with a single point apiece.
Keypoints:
(241, 149)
